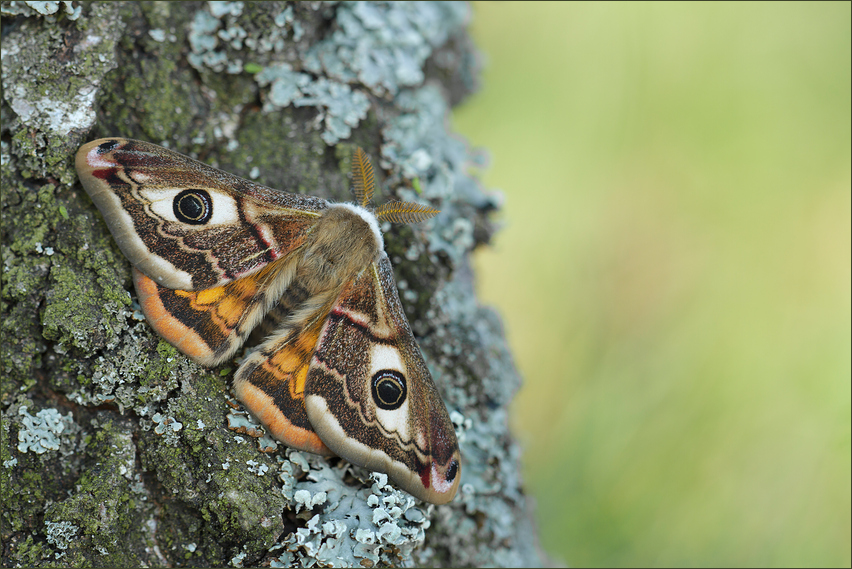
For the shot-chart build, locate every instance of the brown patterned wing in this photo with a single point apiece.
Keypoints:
(184, 224)
(271, 383)
(370, 397)
(210, 325)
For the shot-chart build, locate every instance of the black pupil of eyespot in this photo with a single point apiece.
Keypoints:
(193, 207)
(452, 471)
(107, 146)
(389, 389)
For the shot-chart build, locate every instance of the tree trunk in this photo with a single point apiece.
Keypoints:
(116, 449)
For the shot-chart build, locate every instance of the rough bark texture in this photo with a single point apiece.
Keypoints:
(115, 448)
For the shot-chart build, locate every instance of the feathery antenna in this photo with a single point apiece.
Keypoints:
(405, 212)
(363, 182)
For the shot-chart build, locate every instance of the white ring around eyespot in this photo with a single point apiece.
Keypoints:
(134, 248)
(383, 356)
(162, 204)
(387, 357)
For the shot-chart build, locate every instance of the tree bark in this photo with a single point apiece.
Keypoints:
(116, 449)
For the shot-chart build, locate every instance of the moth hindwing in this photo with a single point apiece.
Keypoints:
(216, 257)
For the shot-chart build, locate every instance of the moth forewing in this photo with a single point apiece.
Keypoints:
(184, 224)
(369, 394)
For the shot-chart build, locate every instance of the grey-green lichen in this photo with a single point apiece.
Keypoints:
(377, 525)
(380, 46)
(48, 9)
(383, 45)
(60, 535)
(40, 433)
(115, 448)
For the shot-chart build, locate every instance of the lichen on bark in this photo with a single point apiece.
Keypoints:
(141, 468)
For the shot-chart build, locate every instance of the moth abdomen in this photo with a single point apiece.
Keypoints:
(295, 296)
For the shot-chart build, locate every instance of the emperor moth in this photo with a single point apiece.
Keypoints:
(216, 256)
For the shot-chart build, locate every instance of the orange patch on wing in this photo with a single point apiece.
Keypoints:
(164, 323)
(294, 360)
(286, 360)
(290, 365)
(202, 325)
(298, 383)
(227, 303)
(307, 340)
(207, 296)
(230, 309)
(263, 407)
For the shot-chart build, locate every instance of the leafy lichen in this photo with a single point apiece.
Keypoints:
(384, 45)
(40, 433)
(48, 9)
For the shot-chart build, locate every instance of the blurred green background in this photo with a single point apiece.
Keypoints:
(674, 273)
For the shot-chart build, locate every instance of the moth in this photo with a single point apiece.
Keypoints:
(216, 258)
